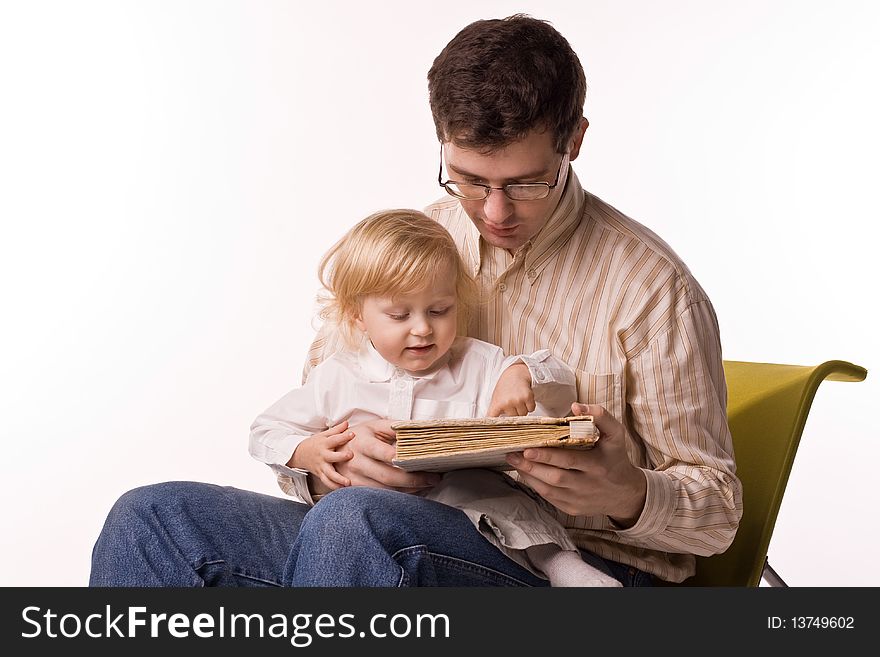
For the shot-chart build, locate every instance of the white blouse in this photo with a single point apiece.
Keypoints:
(361, 386)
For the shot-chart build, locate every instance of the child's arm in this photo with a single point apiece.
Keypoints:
(527, 382)
(513, 394)
(293, 433)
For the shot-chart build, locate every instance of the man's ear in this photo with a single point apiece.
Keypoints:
(578, 139)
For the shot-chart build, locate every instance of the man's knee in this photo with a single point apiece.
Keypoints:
(140, 504)
(351, 502)
(349, 511)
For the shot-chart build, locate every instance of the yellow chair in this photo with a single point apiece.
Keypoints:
(767, 408)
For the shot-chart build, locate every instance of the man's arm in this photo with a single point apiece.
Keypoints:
(690, 500)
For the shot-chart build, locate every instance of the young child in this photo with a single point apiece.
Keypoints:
(399, 293)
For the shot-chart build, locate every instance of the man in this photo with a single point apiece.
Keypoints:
(558, 268)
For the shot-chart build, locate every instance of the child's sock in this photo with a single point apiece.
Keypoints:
(566, 568)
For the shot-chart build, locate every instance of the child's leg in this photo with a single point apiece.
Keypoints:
(518, 525)
(567, 568)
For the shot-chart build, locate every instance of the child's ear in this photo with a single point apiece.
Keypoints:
(359, 322)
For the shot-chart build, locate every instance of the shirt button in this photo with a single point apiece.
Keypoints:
(539, 376)
(531, 273)
(502, 286)
(401, 385)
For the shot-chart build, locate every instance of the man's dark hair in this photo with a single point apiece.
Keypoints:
(499, 79)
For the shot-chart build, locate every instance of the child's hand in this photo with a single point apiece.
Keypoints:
(318, 453)
(513, 393)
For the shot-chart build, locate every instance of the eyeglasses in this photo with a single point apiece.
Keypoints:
(534, 191)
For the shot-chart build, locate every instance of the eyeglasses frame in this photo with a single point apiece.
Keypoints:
(503, 188)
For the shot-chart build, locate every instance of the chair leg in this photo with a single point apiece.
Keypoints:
(773, 579)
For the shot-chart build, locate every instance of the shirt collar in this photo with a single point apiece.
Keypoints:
(378, 370)
(560, 226)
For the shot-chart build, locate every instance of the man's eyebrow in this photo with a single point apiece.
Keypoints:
(460, 172)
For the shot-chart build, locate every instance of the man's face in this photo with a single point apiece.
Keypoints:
(502, 222)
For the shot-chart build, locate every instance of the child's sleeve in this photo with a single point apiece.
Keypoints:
(278, 431)
(553, 382)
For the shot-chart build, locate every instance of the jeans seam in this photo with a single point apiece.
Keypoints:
(238, 573)
(461, 564)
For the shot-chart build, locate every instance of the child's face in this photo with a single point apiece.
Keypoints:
(413, 331)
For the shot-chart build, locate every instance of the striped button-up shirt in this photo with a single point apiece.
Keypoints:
(610, 298)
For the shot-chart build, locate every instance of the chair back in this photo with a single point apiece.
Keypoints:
(767, 408)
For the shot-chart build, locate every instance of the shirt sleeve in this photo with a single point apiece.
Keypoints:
(553, 382)
(677, 401)
(276, 433)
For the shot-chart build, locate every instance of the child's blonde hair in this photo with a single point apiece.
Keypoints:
(390, 253)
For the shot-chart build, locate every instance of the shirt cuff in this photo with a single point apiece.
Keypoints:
(659, 507)
(282, 449)
(294, 482)
(543, 368)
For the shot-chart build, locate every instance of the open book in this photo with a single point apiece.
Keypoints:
(442, 445)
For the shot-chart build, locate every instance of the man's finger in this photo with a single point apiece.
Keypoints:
(550, 474)
(382, 430)
(540, 487)
(379, 450)
(579, 409)
(392, 477)
(559, 457)
(405, 489)
(607, 424)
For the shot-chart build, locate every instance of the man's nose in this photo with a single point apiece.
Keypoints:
(497, 207)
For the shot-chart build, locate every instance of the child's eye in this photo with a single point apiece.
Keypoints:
(442, 311)
(397, 318)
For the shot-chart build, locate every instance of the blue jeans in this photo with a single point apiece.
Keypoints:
(195, 534)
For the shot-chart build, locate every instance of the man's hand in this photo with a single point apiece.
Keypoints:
(513, 393)
(320, 453)
(599, 481)
(372, 449)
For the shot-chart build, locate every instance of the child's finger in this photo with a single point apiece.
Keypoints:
(329, 483)
(338, 440)
(334, 476)
(336, 428)
(337, 457)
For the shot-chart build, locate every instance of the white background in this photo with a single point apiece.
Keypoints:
(171, 172)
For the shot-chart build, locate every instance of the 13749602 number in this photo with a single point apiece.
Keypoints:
(822, 622)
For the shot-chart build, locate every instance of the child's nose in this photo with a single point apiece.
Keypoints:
(421, 326)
